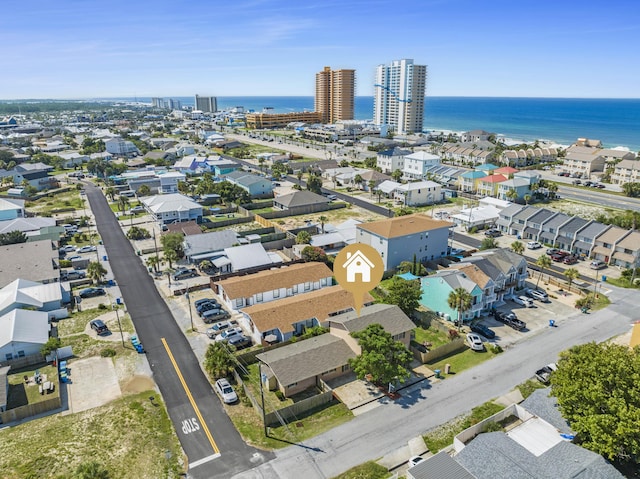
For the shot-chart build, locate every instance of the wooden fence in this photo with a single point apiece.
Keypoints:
(22, 412)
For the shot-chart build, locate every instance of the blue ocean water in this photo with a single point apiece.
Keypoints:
(616, 122)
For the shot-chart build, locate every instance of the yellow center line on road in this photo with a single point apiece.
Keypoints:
(190, 396)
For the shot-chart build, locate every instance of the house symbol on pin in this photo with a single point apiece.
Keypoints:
(358, 263)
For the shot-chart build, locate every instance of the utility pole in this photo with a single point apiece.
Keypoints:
(115, 306)
(190, 311)
(264, 420)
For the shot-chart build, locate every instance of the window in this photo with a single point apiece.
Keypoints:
(21, 354)
(291, 385)
(239, 302)
(8, 356)
(259, 298)
(276, 293)
(323, 281)
(307, 286)
(295, 288)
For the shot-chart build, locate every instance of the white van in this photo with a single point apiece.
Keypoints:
(533, 245)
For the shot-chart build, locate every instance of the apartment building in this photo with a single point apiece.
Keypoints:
(280, 120)
(206, 104)
(335, 94)
(399, 96)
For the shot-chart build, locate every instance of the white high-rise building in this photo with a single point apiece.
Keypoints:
(399, 96)
(206, 104)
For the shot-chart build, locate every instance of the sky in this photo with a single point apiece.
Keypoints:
(506, 48)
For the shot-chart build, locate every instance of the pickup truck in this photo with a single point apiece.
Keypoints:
(510, 319)
(544, 374)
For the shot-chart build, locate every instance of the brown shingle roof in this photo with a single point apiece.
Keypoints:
(404, 225)
(285, 277)
(281, 314)
(611, 235)
(474, 273)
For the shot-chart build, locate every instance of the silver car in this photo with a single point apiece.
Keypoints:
(226, 392)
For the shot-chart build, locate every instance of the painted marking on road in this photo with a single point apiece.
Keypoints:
(199, 462)
(191, 400)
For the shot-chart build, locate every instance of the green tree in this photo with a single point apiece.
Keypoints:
(12, 237)
(461, 300)
(631, 189)
(123, 203)
(173, 242)
(51, 345)
(517, 247)
(303, 237)
(153, 262)
(371, 185)
(544, 262)
(144, 190)
(488, 243)
(170, 256)
(323, 219)
(397, 175)
(96, 272)
(184, 187)
(404, 294)
(110, 193)
(205, 265)
(526, 199)
(553, 189)
(261, 162)
(358, 180)
(382, 357)
(511, 195)
(137, 233)
(596, 386)
(91, 470)
(218, 360)
(314, 253)
(571, 274)
(314, 183)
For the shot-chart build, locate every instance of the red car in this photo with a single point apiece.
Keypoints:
(558, 257)
(570, 259)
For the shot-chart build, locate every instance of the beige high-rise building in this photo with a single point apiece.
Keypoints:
(335, 94)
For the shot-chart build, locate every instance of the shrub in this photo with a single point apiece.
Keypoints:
(495, 348)
(102, 306)
(108, 353)
(280, 395)
(453, 334)
(65, 263)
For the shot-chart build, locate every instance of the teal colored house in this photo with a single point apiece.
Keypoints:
(487, 168)
(469, 180)
(436, 290)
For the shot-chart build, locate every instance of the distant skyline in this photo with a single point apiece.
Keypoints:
(78, 49)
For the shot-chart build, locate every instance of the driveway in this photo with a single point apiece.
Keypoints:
(94, 383)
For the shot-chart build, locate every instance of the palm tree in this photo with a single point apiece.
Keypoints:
(371, 185)
(544, 262)
(205, 265)
(511, 195)
(358, 180)
(170, 256)
(397, 175)
(144, 190)
(571, 274)
(461, 300)
(111, 193)
(517, 247)
(123, 202)
(261, 163)
(527, 198)
(95, 271)
(323, 220)
(553, 189)
(153, 262)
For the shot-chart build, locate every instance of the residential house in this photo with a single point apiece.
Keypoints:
(222, 165)
(627, 171)
(585, 238)
(191, 164)
(391, 160)
(301, 365)
(11, 208)
(532, 176)
(502, 282)
(529, 156)
(198, 247)
(627, 250)
(245, 257)
(172, 208)
(495, 202)
(169, 182)
(157, 157)
(583, 164)
(416, 164)
(184, 149)
(24, 294)
(537, 445)
(567, 232)
(533, 226)
(36, 228)
(33, 261)
(605, 243)
(474, 136)
(506, 269)
(441, 465)
(281, 319)
(461, 155)
(372, 175)
(71, 159)
(120, 147)
(241, 291)
(482, 280)
(446, 175)
(488, 186)
(418, 193)
(476, 216)
(336, 237)
(256, 186)
(506, 171)
(22, 333)
(399, 239)
(103, 155)
(551, 228)
(519, 221)
(302, 201)
(437, 288)
(470, 180)
(589, 142)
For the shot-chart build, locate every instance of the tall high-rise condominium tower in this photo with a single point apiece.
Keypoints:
(206, 104)
(399, 96)
(335, 91)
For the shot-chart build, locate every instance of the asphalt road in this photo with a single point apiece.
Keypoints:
(388, 427)
(209, 439)
(600, 197)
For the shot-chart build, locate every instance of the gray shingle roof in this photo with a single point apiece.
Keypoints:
(209, 242)
(390, 317)
(440, 466)
(300, 198)
(572, 226)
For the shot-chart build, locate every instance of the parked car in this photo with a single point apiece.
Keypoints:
(558, 257)
(206, 306)
(137, 209)
(570, 259)
(68, 248)
(214, 315)
(544, 374)
(485, 331)
(185, 273)
(600, 185)
(533, 245)
(492, 233)
(99, 327)
(515, 323)
(220, 326)
(240, 342)
(552, 251)
(474, 342)
(87, 249)
(204, 300)
(92, 292)
(225, 391)
(71, 275)
(523, 301)
(414, 460)
(228, 334)
(577, 182)
(538, 294)
(597, 264)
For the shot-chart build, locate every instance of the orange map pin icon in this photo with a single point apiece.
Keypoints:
(358, 268)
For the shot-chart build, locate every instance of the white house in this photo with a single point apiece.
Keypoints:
(118, 146)
(418, 193)
(391, 160)
(169, 181)
(173, 208)
(416, 164)
(22, 293)
(22, 333)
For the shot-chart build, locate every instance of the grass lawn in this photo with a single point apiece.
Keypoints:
(85, 346)
(66, 201)
(442, 436)
(368, 470)
(77, 321)
(431, 335)
(21, 394)
(130, 437)
(259, 211)
(249, 423)
(461, 361)
(529, 386)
